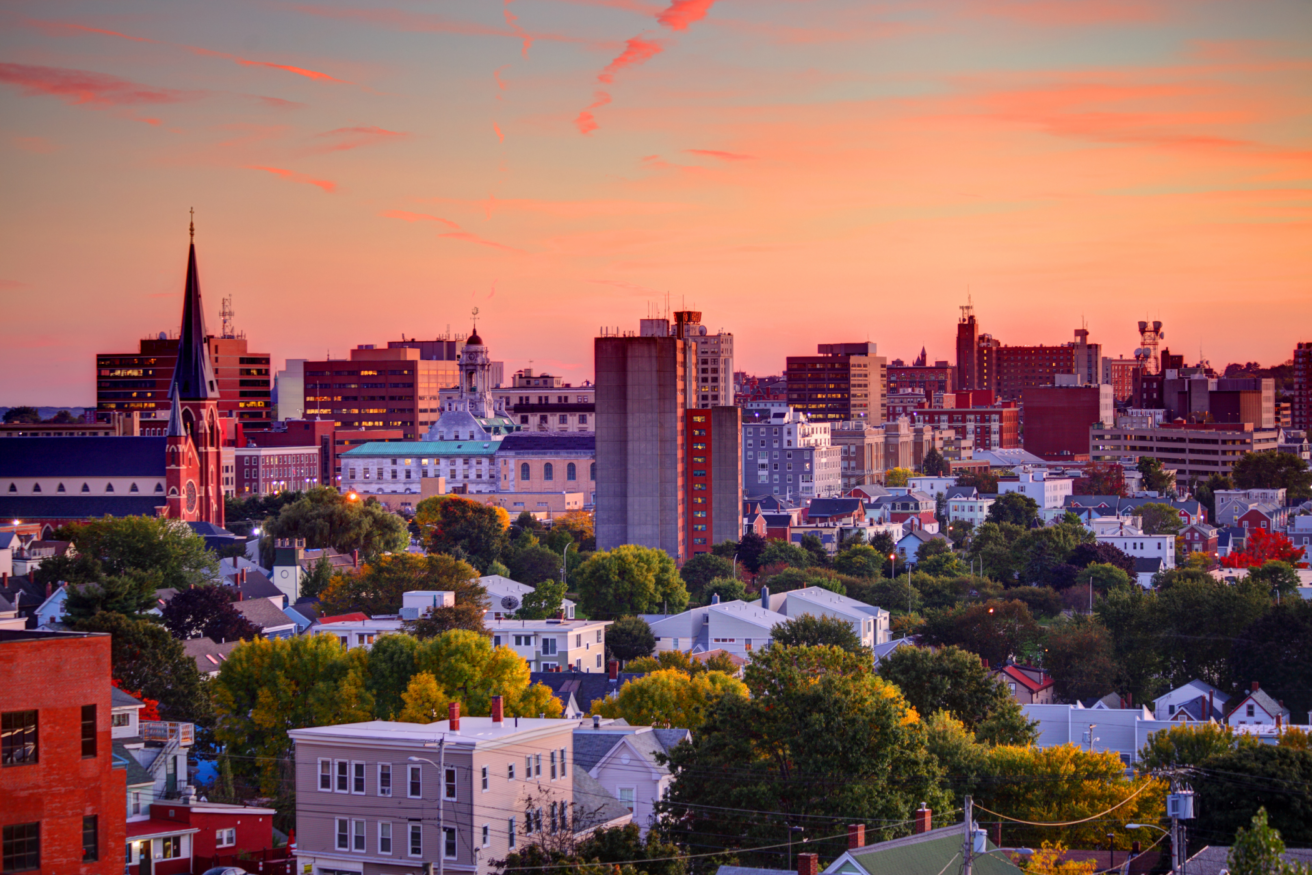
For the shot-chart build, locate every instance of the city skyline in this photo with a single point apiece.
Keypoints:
(802, 174)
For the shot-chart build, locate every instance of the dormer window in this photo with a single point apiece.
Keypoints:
(109, 487)
(133, 488)
(61, 488)
(36, 487)
(86, 488)
(159, 487)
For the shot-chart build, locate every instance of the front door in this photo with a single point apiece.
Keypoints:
(146, 863)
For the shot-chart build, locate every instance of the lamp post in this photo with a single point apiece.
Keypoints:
(440, 765)
(1147, 826)
(791, 830)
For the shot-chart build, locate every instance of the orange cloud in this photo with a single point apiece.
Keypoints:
(355, 137)
(636, 51)
(85, 87)
(682, 13)
(407, 216)
(723, 156)
(586, 123)
(500, 136)
(293, 176)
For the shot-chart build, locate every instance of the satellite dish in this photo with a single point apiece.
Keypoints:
(510, 603)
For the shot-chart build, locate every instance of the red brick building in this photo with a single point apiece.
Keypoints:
(1301, 408)
(1058, 418)
(712, 443)
(191, 837)
(993, 428)
(1029, 367)
(379, 389)
(270, 470)
(62, 802)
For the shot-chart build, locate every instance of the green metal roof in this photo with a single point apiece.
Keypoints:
(909, 857)
(423, 449)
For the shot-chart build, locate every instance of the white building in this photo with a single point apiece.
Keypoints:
(551, 644)
(1123, 731)
(1159, 550)
(736, 627)
(871, 624)
(1192, 701)
(1049, 493)
(787, 455)
(931, 486)
(626, 761)
(504, 597)
(969, 510)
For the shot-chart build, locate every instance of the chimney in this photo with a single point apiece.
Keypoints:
(596, 721)
(1211, 697)
(613, 669)
(715, 600)
(47, 587)
(355, 558)
(4, 579)
(856, 836)
(1277, 723)
(1255, 686)
(808, 864)
(453, 715)
(1129, 697)
(986, 664)
(498, 716)
(765, 597)
(924, 819)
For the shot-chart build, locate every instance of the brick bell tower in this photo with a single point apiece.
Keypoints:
(194, 476)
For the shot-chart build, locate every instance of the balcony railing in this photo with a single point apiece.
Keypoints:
(165, 730)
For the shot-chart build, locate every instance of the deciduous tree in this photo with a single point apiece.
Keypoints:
(809, 630)
(377, 586)
(164, 549)
(671, 698)
(954, 680)
(701, 570)
(1276, 650)
(323, 517)
(1155, 477)
(897, 476)
(1230, 787)
(629, 580)
(207, 611)
(452, 523)
(1019, 510)
(996, 630)
(630, 638)
(1159, 519)
(1079, 655)
(1264, 547)
(131, 594)
(543, 602)
(1272, 469)
(1101, 478)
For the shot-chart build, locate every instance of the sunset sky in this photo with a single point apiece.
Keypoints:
(801, 172)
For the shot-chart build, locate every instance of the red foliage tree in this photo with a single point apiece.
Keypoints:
(150, 712)
(1101, 478)
(1264, 547)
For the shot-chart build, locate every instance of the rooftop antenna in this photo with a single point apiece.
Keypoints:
(227, 314)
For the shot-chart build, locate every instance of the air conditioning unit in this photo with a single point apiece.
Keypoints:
(409, 613)
(1180, 805)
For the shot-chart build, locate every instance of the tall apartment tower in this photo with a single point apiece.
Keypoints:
(844, 382)
(1302, 404)
(711, 380)
(967, 342)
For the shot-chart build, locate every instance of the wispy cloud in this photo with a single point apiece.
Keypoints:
(293, 176)
(35, 145)
(586, 122)
(682, 13)
(86, 87)
(343, 139)
(455, 233)
(470, 237)
(1069, 13)
(636, 51)
(723, 156)
(407, 216)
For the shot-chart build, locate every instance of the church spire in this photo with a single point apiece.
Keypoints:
(193, 375)
(175, 428)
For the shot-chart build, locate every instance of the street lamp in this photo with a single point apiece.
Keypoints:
(791, 830)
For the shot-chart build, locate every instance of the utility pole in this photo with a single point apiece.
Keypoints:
(968, 846)
(441, 793)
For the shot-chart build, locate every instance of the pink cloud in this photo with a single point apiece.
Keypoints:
(636, 51)
(500, 136)
(293, 176)
(279, 103)
(82, 87)
(407, 216)
(355, 137)
(586, 122)
(682, 13)
(723, 156)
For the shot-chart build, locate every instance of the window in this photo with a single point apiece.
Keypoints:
(342, 785)
(1251, 711)
(562, 758)
(170, 848)
(357, 836)
(592, 471)
(88, 732)
(510, 825)
(343, 834)
(357, 778)
(90, 838)
(537, 758)
(553, 765)
(416, 782)
(487, 835)
(450, 790)
(528, 766)
(524, 472)
(384, 837)
(626, 796)
(124, 719)
(416, 840)
(22, 847)
(449, 842)
(18, 739)
(384, 779)
(136, 802)
(326, 775)
(549, 646)
(548, 471)
(225, 838)
(571, 472)
(511, 772)
(484, 777)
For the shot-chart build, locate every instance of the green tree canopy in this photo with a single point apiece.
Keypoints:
(377, 586)
(996, 630)
(630, 638)
(1275, 649)
(629, 580)
(1272, 469)
(1155, 477)
(1230, 787)
(543, 602)
(954, 680)
(465, 528)
(781, 553)
(701, 570)
(166, 550)
(22, 414)
(1079, 655)
(1019, 510)
(326, 518)
(131, 594)
(727, 588)
(533, 563)
(1259, 850)
(861, 560)
(934, 465)
(809, 630)
(1159, 518)
(821, 736)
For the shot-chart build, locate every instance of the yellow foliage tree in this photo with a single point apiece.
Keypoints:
(469, 668)
(425, 701)
(669, 697)
(1047, 861)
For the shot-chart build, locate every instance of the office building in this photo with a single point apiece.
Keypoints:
(844, 381)
(64, 802)
(920, 377)
(1194, 451)
(270, 470)
(642, 399)
(861, 452)
(1301, 406)
(289, 390)
(1119, 373)
(394, 388)
(711, 375)
(714, 482)
(139, 382)
(990, 427)
(967, 374)
(1058, 419)
(787, 455)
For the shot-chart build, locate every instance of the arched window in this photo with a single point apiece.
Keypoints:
(571, 473)
(592, 471)
(523, 471)
(61, 488)
(13, 487)
(134, 488)
(86, 488)
(36, 487)
(159, 487)
(548, 472)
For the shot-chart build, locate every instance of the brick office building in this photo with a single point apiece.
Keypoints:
(381, 389)
(991, 428)
(1301, 408)
(139, 381)
(845, 381)
(270, 470)
(1058, 419)
(62, 802)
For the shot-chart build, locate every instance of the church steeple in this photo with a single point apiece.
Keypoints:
(193, 375)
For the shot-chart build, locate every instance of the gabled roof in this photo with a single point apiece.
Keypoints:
(1203, 529)
(208, 654)
(263, 614)
(585, 687)
(119, 699)
(823, 508)
(1260, 698)
(777, 520)
(962, 492)
(122, 758)
(82, 457)
(257, 585)
(927, 853)
(594, 806)
(353, 617)
(1146, 566)
(1202, 687)
(1025, 680)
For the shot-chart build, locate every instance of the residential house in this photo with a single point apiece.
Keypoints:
(1299, 532)
(28, 556)
(208, 654)
(1267, 517)
(883, 650)
(779, 526)
(1232, 503)
(548, 644)
(914, 510)
(909, 545)
(1049, 493)
(386, 797)
(1256, 707)
(578, 691)
(965, 504)
(835, 512)
(23, 594)
(736, 627)
(1123, 731)
(932, 486)
(753, 519)
(1156, 551)
(1197, 700)
(355, 629)
(625, 760)
(1028, 685)
(1200, 538)
(267, 617)
(220, 835)
(504, 597)
(871, 624)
